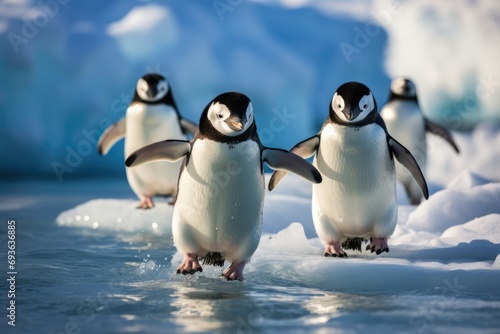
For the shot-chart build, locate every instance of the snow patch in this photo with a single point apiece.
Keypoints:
(119, 215)
(291, 240)
(451, 207)
(466, 180)
(496, 264)
(487, 227)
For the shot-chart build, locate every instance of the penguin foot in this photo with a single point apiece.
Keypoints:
(334, 250)
(234, 271)
(378, 245)
(146, 203)
(189, 265)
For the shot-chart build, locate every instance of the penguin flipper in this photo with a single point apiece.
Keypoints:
(304, 149)
(188, 126)
(406, 159)
(442, 132)
(110, 136)
(170, 150)
(284, 160)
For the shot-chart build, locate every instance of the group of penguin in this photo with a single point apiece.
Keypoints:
(216, 179)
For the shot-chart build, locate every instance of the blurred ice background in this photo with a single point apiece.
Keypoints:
(68, 68)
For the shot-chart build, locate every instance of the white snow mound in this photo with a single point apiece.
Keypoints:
(119, 215)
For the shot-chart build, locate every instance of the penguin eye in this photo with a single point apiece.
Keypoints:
(365, 106)
(337, 103)
(220, 116)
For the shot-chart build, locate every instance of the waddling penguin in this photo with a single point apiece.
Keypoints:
(151, 116)
(355, 154)
(218, 213)
(407, 124)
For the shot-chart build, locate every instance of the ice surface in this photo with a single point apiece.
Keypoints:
(291, 240)
(119, 215)
(453, 235)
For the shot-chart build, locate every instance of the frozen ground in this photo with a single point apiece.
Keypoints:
(88, 261)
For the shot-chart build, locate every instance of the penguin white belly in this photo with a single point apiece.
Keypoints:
(357, 197)
(220, 200)
(405, 123)
(147, 124)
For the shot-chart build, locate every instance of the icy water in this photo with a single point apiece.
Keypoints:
(74, 280)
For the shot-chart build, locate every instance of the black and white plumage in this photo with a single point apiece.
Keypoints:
(151, 116)
(218, 213)
(354, 153)
(405, 121)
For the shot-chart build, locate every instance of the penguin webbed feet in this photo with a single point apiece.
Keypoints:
(146, 203)
(334, 250)
(189, 265)
(235, 271)
(378, 245)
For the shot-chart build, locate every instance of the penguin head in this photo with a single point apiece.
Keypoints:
(352, 103)
(228, 115)
(403, 88)
(152, 88)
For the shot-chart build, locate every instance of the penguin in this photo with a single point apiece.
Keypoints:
(405, 121)
(218, 212)
(151, 116)
(355, 154)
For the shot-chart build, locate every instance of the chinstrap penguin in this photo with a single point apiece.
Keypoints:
(218, 213)
(355, 155)
(151, 116)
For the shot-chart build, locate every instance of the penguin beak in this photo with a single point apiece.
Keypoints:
(236, 123)
(351, 114)
(151, 92)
